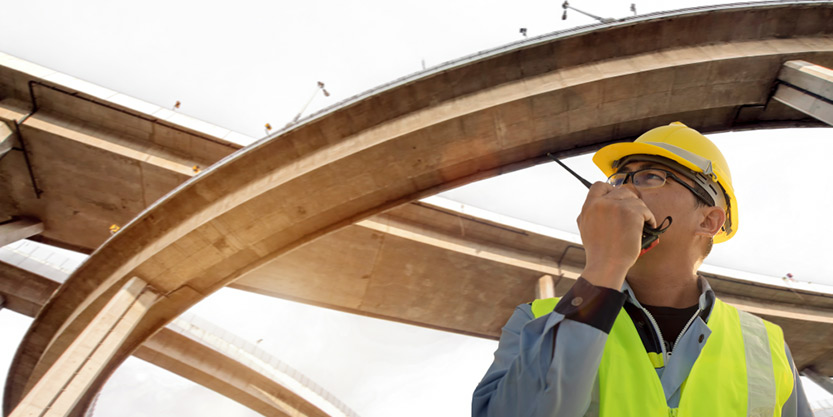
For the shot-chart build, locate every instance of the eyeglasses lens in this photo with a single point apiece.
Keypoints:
(644, 178)
(617, 179)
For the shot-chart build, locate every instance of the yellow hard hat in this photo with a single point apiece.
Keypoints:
(692, 150)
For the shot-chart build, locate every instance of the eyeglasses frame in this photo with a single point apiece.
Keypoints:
(700, 194)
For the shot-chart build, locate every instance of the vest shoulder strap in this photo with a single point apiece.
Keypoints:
(544, 306)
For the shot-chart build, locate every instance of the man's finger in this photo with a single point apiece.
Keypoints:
(648, 215)
(621, 193)
(599, 189)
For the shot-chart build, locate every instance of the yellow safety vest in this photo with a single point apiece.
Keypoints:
(742, 370)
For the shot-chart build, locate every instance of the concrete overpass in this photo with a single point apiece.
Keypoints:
(199, 351)
(566, 93)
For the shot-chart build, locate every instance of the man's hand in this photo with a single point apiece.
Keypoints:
(611, 224)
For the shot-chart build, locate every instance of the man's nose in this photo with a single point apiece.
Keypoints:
(629, 184)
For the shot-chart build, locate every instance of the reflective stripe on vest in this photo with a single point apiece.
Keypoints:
(742, 370)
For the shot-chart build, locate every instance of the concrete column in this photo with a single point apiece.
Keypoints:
(545, 288)
(6, 138)
(15, 230)
(808, 88)
(820, 380)
(69, 378)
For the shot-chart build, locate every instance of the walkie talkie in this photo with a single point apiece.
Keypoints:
(650, 235)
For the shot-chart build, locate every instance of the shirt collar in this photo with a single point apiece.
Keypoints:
(706, 301)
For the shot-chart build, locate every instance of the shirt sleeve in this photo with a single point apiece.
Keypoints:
(797, 405)
(547, 366)
(594, 306)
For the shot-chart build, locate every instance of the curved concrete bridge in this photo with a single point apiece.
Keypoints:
(203, 353)
(571, 92)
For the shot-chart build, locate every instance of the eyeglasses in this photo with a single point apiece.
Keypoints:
(654, 178)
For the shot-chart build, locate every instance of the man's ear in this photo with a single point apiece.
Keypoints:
(711, 222)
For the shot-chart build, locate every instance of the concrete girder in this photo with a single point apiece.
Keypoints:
(38, 89)
(75, 163)
(453, 272)
(109, 143)
(16, 229)
(469, 120)
(422, 265)
(6, 139)
(808, 88)
(62, 387)
(216, 366)
(241, 373)
(545, 288)
(25, 292)
(95, 165)
(812, 78)
(223, 374)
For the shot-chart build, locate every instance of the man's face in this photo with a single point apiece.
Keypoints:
(671, 199)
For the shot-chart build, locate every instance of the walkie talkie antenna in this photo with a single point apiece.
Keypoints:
(583, 181)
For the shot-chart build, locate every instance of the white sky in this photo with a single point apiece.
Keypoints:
(245, 63)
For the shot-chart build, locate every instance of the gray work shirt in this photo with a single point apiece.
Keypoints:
(548, 366)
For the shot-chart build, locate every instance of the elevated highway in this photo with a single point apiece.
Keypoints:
(194, 349)
(567, 93)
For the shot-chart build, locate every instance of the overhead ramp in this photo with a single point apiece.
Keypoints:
(205, 354)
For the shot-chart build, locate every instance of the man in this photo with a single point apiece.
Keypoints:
(640, 334)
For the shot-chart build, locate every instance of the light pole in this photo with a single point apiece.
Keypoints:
(566, 6)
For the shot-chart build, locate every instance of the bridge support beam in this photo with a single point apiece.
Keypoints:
(808, 88)
(6, 137)
(58, 391)
(545, 288)
(18, 229)
(24, 292)
(820, 380)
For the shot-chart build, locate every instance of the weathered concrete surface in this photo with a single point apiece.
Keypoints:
(238, 372)
(453, 272)
(191, 358)
(807, 87)
(493, 113)
(60, 390)
(16, 229)
(24, 291)
(422, 265)
(97, 163)
(6, 139)
(218, 372)
(809, 77)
